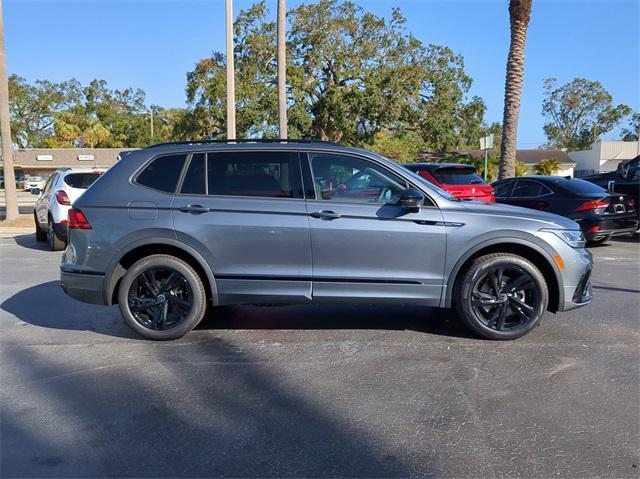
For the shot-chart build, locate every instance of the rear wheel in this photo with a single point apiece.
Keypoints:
(55, 243)
(40, 235)
(162, 297)
(501, 296)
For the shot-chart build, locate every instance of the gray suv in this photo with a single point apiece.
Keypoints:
(175, 228)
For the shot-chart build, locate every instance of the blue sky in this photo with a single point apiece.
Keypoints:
(151, 44)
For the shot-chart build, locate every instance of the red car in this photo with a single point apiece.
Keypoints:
(461, 181)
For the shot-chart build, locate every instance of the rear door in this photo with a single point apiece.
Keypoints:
(245, 212)
(365, 246)
(531, 194)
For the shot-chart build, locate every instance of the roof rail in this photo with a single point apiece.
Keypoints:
(242, 140)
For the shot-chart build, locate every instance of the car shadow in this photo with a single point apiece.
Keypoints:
(443, 322)
(54, 309)
(29, 242)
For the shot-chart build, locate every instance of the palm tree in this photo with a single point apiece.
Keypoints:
(548, 166)
(519, 14)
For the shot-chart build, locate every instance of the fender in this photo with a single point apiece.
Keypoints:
(115, 271)
(547, 253)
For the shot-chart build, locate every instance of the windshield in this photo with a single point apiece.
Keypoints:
(457, 176)
(81, 180)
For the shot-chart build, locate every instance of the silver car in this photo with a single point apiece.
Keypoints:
(173, 229)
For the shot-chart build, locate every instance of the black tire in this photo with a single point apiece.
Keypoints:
(152, 308)
(40, 235)
(55, 243)
(489, 302)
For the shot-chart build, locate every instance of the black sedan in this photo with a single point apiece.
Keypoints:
(601, 214)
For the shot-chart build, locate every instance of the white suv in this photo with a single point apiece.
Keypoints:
(52, 206)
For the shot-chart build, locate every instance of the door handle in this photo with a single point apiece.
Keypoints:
(194, 209)
(326, 215)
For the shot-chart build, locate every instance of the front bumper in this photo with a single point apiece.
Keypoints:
(577, 280)
(88, 288)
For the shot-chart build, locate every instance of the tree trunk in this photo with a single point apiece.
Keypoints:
(11, 198)
(519, 13)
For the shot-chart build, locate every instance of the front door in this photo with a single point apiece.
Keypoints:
(245, 212)
(365, 245)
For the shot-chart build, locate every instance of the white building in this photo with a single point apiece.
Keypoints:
(604, 156)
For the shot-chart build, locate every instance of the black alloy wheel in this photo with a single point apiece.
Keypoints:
(505, 298)
(160, 298)
(501, 296)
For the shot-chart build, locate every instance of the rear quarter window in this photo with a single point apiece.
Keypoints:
(162, 174)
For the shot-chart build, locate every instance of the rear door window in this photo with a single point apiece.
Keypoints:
(457, 175)
(270, 174)
(81, 180)
(162, 173)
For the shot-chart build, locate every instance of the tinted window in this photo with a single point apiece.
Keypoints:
(581, 187)
(503, 190)
(348, 179)
(267, 174)
(457, 176)
(50, 181)
(195, 180)
(162, 173)
(527, 189)
(81, 180)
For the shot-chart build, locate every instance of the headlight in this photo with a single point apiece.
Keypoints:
(573, 238)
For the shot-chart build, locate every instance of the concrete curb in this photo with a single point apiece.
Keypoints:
(11, 231)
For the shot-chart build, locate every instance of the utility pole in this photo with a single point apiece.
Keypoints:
(282, 69)
(231, 88)
(151, 114)
(11, 200)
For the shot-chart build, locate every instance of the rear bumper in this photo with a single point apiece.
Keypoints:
(88, 288)
(609, 227)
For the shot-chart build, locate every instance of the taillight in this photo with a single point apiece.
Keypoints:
(592, 205)
(77, 220)
(62, 198)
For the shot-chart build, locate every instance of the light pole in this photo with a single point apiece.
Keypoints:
(231, 89)
(11, 200)
(282, 69)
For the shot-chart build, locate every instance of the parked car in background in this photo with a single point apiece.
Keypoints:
(174, 228)
(462, 181)
(625, 180)
(600, 213)
(51, 209)
(33, 182)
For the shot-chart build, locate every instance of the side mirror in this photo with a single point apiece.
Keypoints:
(412, 200)
(35, 191)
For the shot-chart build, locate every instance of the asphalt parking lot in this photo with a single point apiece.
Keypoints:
(331, 391)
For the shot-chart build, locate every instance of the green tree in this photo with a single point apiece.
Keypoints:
(578, 112)
(519, 15)
(404, 148)
(631, 132)
(33, 108)
(351, 75)
(547, 166)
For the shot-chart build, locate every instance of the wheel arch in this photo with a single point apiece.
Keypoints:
(133, 252)
(528, 250)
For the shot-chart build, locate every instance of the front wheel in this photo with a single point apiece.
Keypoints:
(162, 297)
(501, 296)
